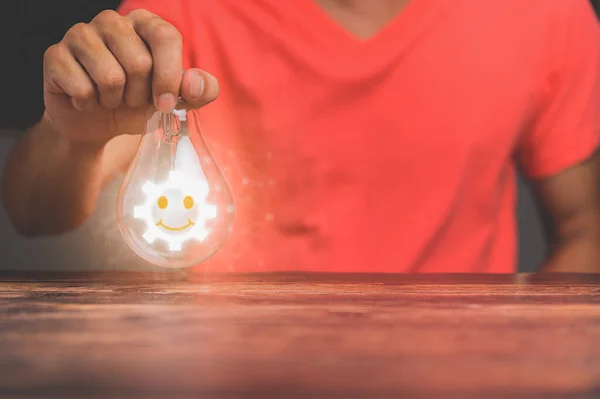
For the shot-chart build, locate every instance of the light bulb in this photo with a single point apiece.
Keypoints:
(174, 208)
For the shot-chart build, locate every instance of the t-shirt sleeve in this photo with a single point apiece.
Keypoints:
(173, 11)
(566, 131)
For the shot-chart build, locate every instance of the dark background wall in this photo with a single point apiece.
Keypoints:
(28, 27)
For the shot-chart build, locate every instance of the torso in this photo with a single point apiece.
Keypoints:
(387, 154)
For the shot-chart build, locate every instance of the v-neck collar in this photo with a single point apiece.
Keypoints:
(337, 28)
(344, 55)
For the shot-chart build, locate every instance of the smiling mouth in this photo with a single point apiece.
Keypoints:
(164, 226)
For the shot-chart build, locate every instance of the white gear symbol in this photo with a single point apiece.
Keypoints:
(190, 217)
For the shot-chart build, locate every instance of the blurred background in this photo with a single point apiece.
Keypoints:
(28, 29)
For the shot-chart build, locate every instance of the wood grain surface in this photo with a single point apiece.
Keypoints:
(178, 335)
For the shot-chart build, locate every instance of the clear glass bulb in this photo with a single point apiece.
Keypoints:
(174, 208)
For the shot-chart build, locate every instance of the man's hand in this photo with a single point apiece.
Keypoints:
(100, 83)
(572, 200)
(102, 79)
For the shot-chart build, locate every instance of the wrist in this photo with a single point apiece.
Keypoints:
(64, 141)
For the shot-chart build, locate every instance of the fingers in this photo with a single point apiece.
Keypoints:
(132, 54)
(64, 75)
(134, 60)
(89, 49)
(165, 44)
(199, 88)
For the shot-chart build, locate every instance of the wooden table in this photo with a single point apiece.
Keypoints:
(177, 335)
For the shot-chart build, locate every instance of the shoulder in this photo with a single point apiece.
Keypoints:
(553, 29)
(560, 14)
(536, 13)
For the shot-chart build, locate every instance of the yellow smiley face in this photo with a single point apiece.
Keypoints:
(175, 211)
(163, 204)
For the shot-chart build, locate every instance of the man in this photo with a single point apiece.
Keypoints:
(356, 136)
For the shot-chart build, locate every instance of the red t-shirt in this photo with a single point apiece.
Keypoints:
(397, 153)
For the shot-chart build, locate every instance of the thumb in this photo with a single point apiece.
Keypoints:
(199, 87)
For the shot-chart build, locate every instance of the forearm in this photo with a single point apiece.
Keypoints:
(572, 202)
(579, 253)
(51, 184)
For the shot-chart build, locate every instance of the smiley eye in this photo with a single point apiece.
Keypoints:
(162, 202)
(188, 202)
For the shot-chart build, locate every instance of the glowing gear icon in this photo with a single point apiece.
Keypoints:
(175, 211)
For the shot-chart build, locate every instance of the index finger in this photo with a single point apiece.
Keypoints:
(165, 43)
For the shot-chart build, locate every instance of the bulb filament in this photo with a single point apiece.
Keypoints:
(171, 128)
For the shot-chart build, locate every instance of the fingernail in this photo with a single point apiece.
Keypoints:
(196, 86)
(166, 102)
